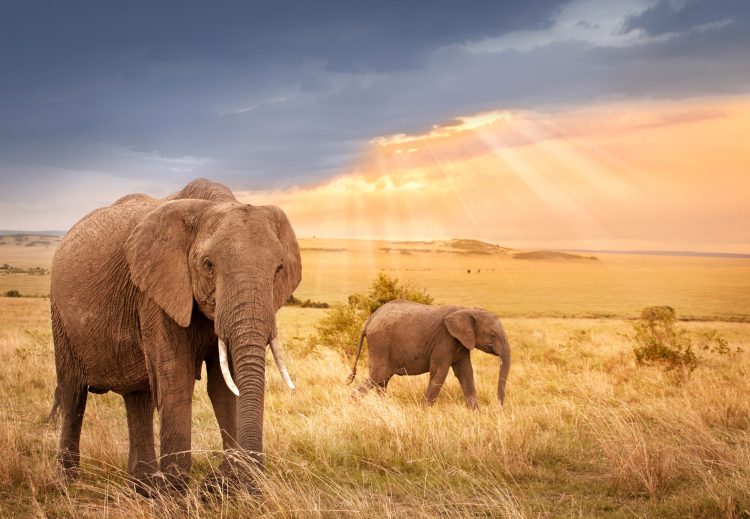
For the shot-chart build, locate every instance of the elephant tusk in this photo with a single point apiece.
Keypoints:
(280, 363)
(224, 363)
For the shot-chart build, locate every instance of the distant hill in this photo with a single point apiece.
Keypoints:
(4, 232)
(475, 246)
(550, 255)
(462, 246)
(30, 240)
(685, 253)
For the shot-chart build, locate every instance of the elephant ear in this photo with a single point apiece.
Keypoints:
(157, 253)
(462, 325)
(288, 279)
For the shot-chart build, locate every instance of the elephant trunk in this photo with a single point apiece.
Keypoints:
(247, 326)
(249, 367)
(504, 370)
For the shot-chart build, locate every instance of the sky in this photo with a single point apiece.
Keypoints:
(542, 123)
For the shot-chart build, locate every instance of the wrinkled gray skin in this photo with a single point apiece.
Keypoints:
(407, 338)
(141, 291)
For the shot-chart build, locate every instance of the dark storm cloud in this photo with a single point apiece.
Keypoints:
(680, 16)
(150, 95)
(156, 76)
(348, 35)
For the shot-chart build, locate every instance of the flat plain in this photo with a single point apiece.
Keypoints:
(585, 432)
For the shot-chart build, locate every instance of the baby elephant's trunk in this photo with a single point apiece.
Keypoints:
(504, 369)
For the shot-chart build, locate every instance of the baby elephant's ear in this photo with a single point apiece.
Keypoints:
(462, 326)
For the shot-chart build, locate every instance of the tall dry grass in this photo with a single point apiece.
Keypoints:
(584, 433)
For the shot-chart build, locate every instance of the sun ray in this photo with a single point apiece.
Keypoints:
(597, 177)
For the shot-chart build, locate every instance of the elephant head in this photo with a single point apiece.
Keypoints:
(475, 328)
(239, 263)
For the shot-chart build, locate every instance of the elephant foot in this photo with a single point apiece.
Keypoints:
(215, 487)
(228, 481)
(159, 484)
(146, 485)
(69, 474)
(69, 463)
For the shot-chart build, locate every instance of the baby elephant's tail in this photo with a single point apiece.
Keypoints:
(362, 335)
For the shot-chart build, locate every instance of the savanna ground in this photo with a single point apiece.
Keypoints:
(585, 432)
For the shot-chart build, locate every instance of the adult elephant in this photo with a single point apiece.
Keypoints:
(143, 292)
(407, 338)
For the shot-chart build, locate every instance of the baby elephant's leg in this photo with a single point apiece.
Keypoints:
(438, 372)
(465, 375)
(364, 387)
(378, 379)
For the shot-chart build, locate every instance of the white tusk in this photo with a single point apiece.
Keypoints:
(280, 363)
(224, 363)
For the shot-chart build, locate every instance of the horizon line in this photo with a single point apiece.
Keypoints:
(636, 252)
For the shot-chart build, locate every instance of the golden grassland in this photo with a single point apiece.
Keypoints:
(584, 432)
(612, 286)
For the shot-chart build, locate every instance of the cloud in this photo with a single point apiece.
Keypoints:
(613, 175)
(272, 96)
(680, 16)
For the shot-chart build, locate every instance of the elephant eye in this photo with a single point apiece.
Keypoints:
(208, 265)
(279, 269)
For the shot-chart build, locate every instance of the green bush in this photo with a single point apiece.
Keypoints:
(658, 341)
(293, 301)
(13, 293)
(340, 328)
(313, 304)
(385, 288)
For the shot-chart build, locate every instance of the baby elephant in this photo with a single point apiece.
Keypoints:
(407, 338)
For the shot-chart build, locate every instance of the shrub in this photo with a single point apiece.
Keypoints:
(340, 328)
(710, 341)
(385, 288)
(313, 304)
(659, 342)
(293, 301)
(13, 293)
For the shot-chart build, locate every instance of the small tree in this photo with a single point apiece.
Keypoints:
(13, 293)
(385, 288)
(658, 341)
(340, 328)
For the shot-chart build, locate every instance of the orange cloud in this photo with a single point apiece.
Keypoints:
(654, 175)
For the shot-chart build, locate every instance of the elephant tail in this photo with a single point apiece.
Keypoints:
(53, 414)
(362, 335)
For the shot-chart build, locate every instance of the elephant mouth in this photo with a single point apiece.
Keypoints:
(277, 357)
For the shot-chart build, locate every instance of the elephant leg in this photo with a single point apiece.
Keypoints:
(173, 366)
(175, 434)
(225, 408)
(438, 373)
(142, 455)
(224, 404)
(364, 387)
(73, 407)
(381, 384)
(70, 396)
(378, 379)
(465, 375)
